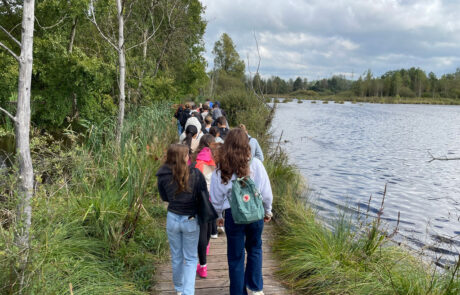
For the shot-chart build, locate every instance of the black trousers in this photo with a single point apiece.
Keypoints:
(205, 236)
(214, 227)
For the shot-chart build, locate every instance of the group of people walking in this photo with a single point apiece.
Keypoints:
(209, 162)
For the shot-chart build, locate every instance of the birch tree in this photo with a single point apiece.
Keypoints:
(120, 48)
(22, 128)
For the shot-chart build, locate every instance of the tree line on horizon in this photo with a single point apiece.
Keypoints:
(410, 83)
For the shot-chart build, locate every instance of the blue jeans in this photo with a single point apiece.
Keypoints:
(239, 237)
(183, 236)
(179, 128)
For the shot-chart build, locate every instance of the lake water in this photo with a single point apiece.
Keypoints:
(348, 152)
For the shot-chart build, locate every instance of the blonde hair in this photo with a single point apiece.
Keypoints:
(208, 119)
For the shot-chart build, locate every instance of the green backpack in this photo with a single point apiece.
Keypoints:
(246, 201)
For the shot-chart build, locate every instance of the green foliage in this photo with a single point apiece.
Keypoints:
(243, 107)
(160, 88)
(400, 86)
(227, 58)
(81, 83)
(98, 222)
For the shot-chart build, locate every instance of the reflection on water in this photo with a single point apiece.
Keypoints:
(350, 151)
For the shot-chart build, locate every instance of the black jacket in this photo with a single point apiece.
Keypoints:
(184, 203)
(223, 132)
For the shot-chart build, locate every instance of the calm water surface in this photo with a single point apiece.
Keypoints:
(348, 152)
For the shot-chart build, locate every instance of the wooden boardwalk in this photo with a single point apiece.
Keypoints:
(217, 281)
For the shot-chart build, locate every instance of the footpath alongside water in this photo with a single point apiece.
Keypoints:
(217, 281)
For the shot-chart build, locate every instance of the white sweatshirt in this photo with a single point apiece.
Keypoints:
(220, 192)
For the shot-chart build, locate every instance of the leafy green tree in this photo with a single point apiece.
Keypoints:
(227, 58)
(297, 85)
(396, 84)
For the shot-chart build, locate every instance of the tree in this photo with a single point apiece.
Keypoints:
(433, 81)
(396, 84)
(227, 58)
(120, 48)
(297, 85)
(22, 128)
(368, 83)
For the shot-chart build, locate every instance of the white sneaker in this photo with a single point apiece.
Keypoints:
(178, 293)
(214, 236)
(257, 292)
(221, 229)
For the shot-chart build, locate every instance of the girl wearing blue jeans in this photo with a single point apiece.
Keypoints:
(234, 160)
(178, 185)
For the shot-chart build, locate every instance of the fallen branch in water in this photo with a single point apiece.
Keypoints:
(445, 158)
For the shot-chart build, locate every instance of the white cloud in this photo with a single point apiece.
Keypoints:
(318, 37)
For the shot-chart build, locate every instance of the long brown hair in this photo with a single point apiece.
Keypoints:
(234, 155)
(205, 141)
(175, 159)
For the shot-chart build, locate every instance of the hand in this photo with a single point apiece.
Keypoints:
(220, 222)
(267, 219)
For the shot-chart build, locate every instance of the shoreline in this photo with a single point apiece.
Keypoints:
(377, 100)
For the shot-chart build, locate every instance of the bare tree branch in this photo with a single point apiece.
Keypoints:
(11, 36)
(445, 158)
(149, 37)
(129, 11)
(10, 51)
(8, 114)
(93, 20)
(258, 65)
(52, 26)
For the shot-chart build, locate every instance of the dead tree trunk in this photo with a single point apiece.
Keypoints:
(122, 62)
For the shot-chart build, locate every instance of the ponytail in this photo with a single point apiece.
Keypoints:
(189, 133)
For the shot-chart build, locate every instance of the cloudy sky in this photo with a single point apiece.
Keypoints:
(319, 38)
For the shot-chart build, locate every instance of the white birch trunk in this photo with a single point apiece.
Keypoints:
(26, 174)
(144, 58)
(72, 34)
(122, 62)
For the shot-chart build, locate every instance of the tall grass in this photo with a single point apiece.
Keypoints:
(100, 226)
(351, 258)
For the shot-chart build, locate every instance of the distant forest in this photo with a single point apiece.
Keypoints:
(412, 82)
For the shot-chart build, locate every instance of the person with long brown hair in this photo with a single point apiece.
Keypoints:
(234, 160)
(178, 185)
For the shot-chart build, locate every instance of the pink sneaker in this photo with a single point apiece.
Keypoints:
(207, 249)
(202, 271)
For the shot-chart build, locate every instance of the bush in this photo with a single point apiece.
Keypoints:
(406, 92)
(304, 93)
(248, 109)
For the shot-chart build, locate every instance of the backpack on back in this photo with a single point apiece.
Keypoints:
(246, 201)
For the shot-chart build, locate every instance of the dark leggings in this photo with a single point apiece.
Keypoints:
(214, 227)
(205, 235)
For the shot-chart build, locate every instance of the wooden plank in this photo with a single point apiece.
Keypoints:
(217, 281)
